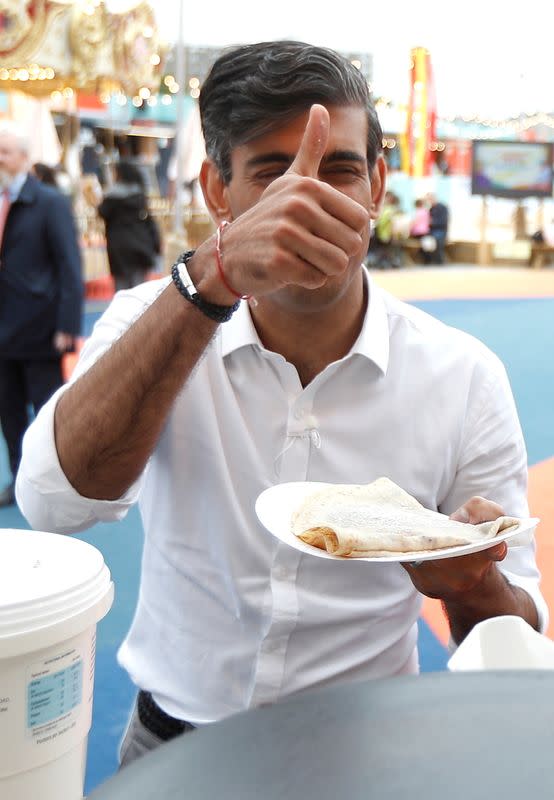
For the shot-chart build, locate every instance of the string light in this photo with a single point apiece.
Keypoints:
(32, 72)
(509, 126)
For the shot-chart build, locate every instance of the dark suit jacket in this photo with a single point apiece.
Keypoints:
(41, 287)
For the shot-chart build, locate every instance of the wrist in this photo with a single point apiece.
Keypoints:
(186, 286)
(491, 597)
(203, 270)
(487, 589)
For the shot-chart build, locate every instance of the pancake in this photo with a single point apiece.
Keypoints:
(380, 518)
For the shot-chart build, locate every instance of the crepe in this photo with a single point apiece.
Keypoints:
(380, 518)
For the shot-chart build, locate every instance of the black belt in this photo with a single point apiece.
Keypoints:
(157, 721)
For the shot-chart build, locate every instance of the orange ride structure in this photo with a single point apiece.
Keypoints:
(420, 133)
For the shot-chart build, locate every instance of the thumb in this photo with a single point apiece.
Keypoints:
(460, 515)
(313, 144)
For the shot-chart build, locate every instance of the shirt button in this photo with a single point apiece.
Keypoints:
(280, 573)
(298, 414)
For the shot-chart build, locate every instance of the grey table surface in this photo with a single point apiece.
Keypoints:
(444, 735)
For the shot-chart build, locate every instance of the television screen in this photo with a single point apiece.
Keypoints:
(511, 169)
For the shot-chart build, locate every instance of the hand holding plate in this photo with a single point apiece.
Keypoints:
(449, 579)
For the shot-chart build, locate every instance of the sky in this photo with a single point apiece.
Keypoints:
(490, 57)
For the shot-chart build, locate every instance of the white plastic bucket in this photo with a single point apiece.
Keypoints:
(505, 642)
(53, 591)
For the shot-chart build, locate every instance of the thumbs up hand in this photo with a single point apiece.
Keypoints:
(313, 144)
(302, 230)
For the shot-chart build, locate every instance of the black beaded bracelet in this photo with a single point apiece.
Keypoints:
(186, 287)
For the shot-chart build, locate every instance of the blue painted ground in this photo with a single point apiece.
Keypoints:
(521, 332)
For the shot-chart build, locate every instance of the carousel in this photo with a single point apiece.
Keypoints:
(56, 55)
(49, 45)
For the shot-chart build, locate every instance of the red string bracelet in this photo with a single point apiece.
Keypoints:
(219, 262)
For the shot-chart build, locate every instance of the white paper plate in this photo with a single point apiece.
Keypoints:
(276, 505)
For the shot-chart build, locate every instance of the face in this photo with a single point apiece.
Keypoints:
(13, 159)
(344, 166)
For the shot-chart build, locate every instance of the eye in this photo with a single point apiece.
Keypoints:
(352, 169)
(342, 172)
(270, 174)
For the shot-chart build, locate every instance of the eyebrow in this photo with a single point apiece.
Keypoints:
(278, 157)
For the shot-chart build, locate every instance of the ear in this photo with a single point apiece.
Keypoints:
(215, 192)
(378, 187)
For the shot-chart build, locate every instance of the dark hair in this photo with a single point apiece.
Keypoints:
(252, 90)
(45, 174)
(127, 172)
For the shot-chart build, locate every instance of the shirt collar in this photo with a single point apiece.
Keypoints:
(372, 343)
(239, 331)
(15, 186)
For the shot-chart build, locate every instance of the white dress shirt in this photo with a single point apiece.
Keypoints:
(16, 185)
(228, 617)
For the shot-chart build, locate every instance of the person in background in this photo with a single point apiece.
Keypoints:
(438, 228)
(45, 174)
(420, 229)
(132, 235)
(384, 249)
(90, 194)
(192, 399)
(41, 292)
(421, 220)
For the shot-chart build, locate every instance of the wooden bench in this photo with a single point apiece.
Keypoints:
(411, 249)
(539, 254)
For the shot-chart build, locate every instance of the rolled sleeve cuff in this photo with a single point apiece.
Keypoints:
(45, 496)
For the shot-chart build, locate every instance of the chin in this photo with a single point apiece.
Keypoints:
(297, 299)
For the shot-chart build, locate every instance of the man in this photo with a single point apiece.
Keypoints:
(40, 292)
(321, 377)
(438, 228)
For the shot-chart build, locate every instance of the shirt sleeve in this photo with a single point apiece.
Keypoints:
(493, 464)
(46, 498)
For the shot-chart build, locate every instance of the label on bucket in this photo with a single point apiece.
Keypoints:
(52, 696)
(54, 690)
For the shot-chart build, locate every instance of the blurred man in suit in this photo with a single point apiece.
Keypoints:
(41, 292)
(438, 228)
